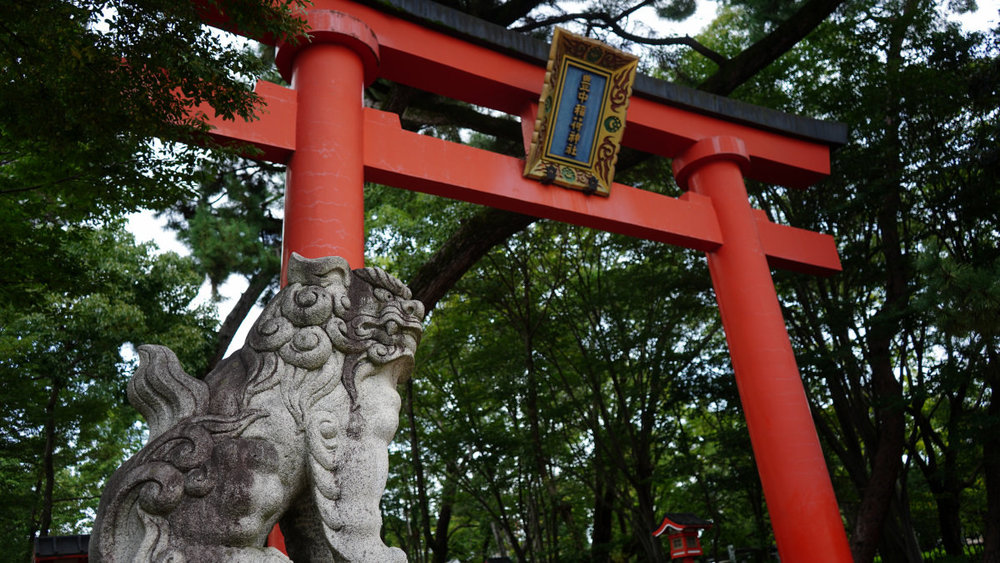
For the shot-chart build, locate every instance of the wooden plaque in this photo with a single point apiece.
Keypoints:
(581, 114)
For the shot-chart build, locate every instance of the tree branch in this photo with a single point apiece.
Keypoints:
(610, 23)
(258, 283)
(462, 250)
(737, 70)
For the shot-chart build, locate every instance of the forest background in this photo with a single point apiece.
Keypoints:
(572, 385)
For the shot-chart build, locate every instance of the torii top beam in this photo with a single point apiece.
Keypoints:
(439, 50)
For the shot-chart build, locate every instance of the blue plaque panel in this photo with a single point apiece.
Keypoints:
(577, 112)
(581, 114)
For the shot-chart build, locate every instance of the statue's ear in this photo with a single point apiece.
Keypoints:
(331, 270)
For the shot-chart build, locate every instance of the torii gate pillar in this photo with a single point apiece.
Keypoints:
(324, 192)
(787, 450)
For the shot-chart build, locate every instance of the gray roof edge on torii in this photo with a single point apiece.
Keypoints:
(490, 35)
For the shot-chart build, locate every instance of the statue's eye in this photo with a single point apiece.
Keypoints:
(382, 294)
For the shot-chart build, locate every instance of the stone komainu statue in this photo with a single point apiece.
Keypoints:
(292, 428)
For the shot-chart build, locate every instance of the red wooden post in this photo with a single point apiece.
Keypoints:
(790, 461)
(324, 193)
(324, 181)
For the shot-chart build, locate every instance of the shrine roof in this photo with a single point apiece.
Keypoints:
(53, 546)
(525, 47)
(681, 521)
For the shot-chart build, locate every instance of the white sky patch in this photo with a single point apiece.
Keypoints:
(703, 15)
(146, 227)
(983, 19)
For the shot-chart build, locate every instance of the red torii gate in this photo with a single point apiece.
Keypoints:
(332, 144)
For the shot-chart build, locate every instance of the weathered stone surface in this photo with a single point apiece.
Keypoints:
(292, 428)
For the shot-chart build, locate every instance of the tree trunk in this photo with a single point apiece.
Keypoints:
(48, 460)
(235, 318)
(416, 461)
(498, 537)
(753, 59)
(33, 526)
(991, 460)
(438, 541)
(537, 508)
(950, 522)
(466, 246)
(644, 521)
(897, 543)
(887, 392)
(604, 499)
(439, 545)
(887, 462)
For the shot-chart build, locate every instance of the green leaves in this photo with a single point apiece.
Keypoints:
(88, 87)
(66, 337)
(676, 10)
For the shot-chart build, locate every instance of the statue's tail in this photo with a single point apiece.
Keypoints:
(163, 392)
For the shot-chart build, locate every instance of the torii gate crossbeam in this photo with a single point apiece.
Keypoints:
(332, 144)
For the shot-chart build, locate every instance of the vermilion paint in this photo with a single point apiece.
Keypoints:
(793, 472)
(324, 197)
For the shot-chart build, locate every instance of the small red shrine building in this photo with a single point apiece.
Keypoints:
(682, 533)
(61, 549)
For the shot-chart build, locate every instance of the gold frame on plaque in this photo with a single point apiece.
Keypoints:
(581, 114)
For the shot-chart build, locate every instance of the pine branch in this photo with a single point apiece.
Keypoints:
(737, 70)
(606, 21)
(235, 318)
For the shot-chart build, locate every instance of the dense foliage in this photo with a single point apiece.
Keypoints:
(572, 385)
(88, 111)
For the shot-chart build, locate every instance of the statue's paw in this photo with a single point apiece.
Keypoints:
(198, 554)
(380, 553)
(395, 555)
(272, 555)
(170, 556)
(366, 551)
(256, 555)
